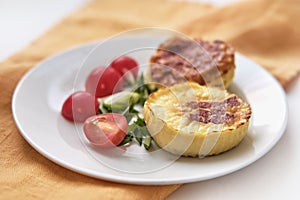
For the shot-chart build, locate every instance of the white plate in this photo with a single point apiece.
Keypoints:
(39, 96)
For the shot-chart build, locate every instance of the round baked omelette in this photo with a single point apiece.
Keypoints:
(188, 119)
(179, 59)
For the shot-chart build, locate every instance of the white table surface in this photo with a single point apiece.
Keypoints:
(274, 177)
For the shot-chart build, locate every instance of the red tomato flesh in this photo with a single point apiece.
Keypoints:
(103, 81)
(125, 64)
(79, 106)
(106, 130)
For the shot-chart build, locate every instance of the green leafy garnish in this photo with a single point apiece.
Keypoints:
(130, 105)
(126, 140)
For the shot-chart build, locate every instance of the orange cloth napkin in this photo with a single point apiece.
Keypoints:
(265, 30)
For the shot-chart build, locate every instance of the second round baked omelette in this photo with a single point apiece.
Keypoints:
(192, 120)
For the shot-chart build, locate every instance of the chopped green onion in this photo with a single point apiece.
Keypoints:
(147, 142)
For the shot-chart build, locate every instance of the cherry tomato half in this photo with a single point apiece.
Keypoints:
(79, 106)
(103, 81)
(124, 64)
(106, 130)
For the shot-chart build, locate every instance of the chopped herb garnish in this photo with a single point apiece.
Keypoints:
(130, 105)
(126, 140)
